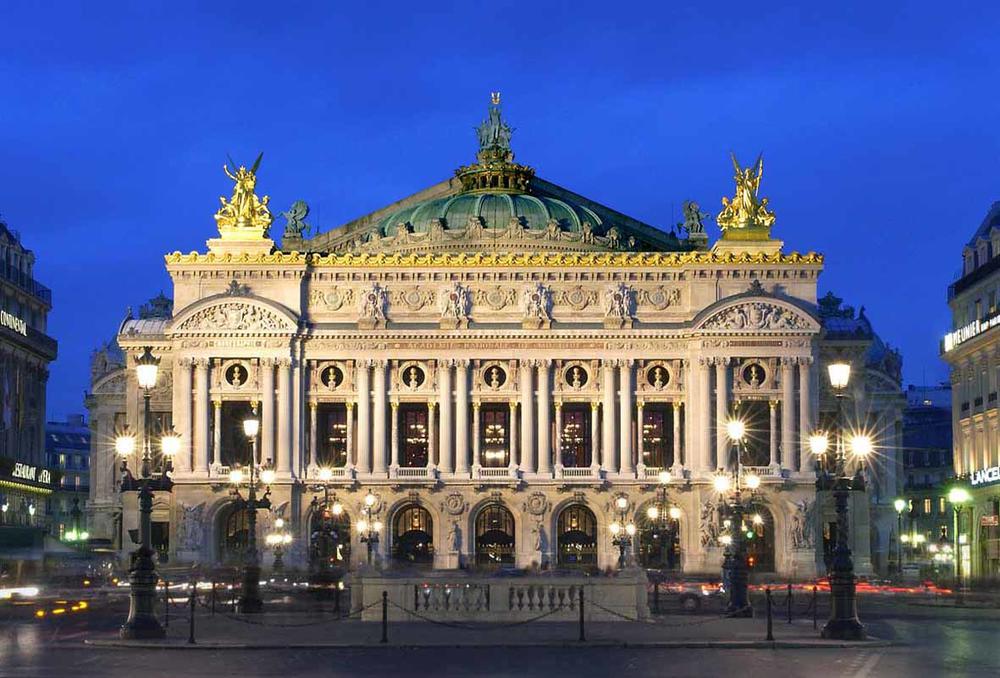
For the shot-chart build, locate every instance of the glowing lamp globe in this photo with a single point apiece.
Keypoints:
(674, 513)
(125, 445)
(840, 374)
(267, 476)
(899, 505)
(664, 477)
(653, 512)
(819, 444)
(146, 368)
(735, 430)
(753, 481)
(861, 446)
(251, 425)
(721, 483)
(170, 444)
(325, 474)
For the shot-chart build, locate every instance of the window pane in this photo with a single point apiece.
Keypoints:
(575, 436)
(331, 435)
(493, 437)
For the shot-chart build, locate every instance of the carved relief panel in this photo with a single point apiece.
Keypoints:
(331, 378)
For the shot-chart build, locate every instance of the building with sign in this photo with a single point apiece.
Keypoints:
(497, 359)
(25, 353)
(67, 448)
(972, 351)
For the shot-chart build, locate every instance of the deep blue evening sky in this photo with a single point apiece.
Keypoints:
(879, 126)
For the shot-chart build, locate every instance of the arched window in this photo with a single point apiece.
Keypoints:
(234, 536)
(329, 540)
(577, 538)
(760, 541)
(494, 537)
(413, 537)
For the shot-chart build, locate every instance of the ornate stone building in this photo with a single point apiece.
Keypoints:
(497, 359)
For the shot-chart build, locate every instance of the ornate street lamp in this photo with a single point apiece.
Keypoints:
(833, 474)
(250, 601)
(900, 506)
(958, 497)
(622, 531)
(738, 489)
(74, 534)
(369, 529)
(665, 517)
(278, 541)
(142, 622)
(321, 563)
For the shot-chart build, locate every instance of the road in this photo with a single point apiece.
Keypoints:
(933, 642)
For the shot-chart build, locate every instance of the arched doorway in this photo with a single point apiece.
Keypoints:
(577, 537)
(760, 540)
(495, 537)
(659, 543)
(413, 537)
(329, 539)
(234, 531)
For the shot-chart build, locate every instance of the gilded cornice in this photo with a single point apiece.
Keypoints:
(503, 260)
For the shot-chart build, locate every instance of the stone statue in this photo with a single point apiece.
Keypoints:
(618, 301)
(535, 304)
(494, 134)
(191, 530)
(453, 302)
(536, 537)
(801, 531)
(693, 217)
(709, 524)
(244, 214)
(454, 538)
(371, 307)
(295, 224)
(746, 210)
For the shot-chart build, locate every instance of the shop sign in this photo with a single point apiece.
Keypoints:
(989, 521)
(986, 476)
(33, 473)
(12, 322)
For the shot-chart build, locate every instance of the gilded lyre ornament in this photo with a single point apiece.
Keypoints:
(746, 216)
(244, 216)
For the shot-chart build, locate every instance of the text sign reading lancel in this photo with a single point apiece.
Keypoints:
(986, 476)
(12, 322)
(28, 472)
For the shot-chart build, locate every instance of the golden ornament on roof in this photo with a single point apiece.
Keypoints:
(746, 216)
(244, 215)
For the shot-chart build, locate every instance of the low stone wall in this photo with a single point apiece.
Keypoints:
(452, 596)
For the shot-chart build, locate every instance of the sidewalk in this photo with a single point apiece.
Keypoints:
(285, 631)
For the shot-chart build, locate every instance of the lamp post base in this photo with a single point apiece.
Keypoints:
(843, 629)
(250, 602)
(142, 623)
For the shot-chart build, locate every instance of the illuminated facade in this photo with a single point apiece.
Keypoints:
(497, 359)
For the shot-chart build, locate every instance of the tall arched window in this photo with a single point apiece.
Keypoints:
(495, 537)
(329, 539)
(577, 538)
(413, 537)
(760, 545)
(234, 535)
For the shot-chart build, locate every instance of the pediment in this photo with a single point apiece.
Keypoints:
(229, 314)
(758, 314)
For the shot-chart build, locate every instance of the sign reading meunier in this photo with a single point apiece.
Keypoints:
(986, 476)
(12, 322)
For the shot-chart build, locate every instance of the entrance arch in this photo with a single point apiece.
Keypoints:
(329, 539)
(495, 538)
(659, 543)
(413, 536)
(234, 531)
(576, 537)
(760, 544)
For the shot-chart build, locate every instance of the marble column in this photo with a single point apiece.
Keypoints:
(595, 436)
(364, 460)
(626, 464)
(379, 404)
(512, 436)
(788, 413)
(283, 464)
(201, 433)
(527, 461)
(349, 443)
(557, 434)
(394, 436)
(446, 456)
(215, 455)
(721, 411)
(678, 413)
(544, 419)
(182, 415)
(609, 460)
(704, 417)
(462, 417)
(313, 435)
(267, 408)
(432, 436)
(640, 441)
(476, 446)
(806, 424)
(775, 463)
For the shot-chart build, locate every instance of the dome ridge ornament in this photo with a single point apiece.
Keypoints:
(495, 169)
(746, 216)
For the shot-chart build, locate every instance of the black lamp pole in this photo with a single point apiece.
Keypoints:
(734, 563)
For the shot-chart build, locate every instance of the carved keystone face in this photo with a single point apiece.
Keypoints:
(332, 377)
(236, 375)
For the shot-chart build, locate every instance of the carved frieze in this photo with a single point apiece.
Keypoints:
(577, 297)
(331, 300)
(757, 315)
(659, 297)
(496, 298)
(235, 316)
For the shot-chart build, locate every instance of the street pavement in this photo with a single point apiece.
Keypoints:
(927, 641)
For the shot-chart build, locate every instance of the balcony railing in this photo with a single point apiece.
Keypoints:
(413, 472)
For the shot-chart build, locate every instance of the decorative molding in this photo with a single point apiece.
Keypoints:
(235, 316)
(758, 315)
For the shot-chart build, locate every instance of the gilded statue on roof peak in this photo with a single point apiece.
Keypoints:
(244, 215)
(746, 216)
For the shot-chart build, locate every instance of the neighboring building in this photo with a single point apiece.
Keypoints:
(496, 359)
(877, 405)
(928, 468)
(25, 353)
(972, 350)
(67, 448)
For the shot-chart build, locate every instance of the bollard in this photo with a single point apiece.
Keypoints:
(166, 603)
(583, 635)
(770, 630)
(385, 617)
(815, 612)
(789, 603)
(656, 597)
(194, 598)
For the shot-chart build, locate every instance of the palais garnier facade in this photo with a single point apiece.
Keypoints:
(497, 360)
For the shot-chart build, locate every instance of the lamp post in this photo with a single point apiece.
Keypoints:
(900, 506)
(369, 529)
(278, 540)
(834, 475)
(142, 622)
(250, 601)
(322, 552)
(622, 531)
(738, 490)
(959, 497)
(665, 517)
